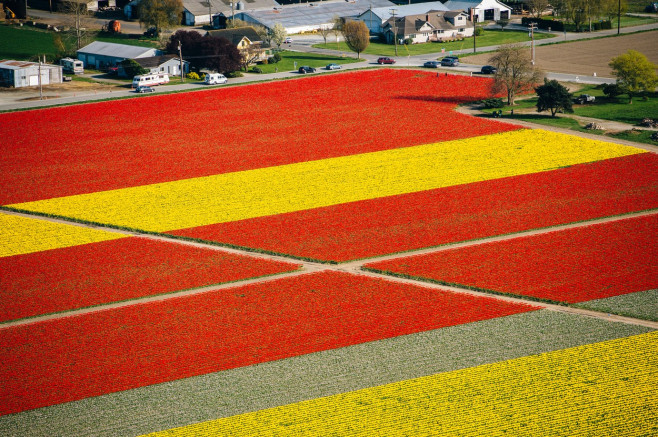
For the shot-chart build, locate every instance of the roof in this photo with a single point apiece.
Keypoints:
(7, 64)
(117, 50)
(465, 5)
(235, 35)
(156, 61)
(200, 7)
(402, 10)
(412, 23)
(313, 14)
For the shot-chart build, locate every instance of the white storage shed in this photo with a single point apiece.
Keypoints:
(22, 74)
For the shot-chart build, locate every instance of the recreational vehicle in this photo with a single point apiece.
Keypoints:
(150, 79)
(70, 65)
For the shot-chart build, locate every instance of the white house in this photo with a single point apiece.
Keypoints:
(376, 17)
(100, 55)
(481, 10)
(432, 26)
(21, 73)
(169, 64)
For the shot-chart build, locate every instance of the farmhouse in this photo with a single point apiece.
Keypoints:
(432, 26)
(247, 41)
(481, 10)
(101, 55)
(375, 18)
(21, 74)
(169, 64)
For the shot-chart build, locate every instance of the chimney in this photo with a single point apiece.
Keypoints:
(427, 17)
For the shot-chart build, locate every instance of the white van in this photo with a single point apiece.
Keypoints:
(213, 78)
(70, 65)
(150, 79)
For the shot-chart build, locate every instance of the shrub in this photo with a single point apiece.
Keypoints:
(231, 74)
(612, 90)
(192, 75)
(479, 31)
(256, 70)
(277, 57)
(493, 103)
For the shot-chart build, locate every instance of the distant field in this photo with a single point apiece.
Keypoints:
(33, 42)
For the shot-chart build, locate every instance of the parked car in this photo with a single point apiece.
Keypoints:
(432, 64)
(449, 62)
(381, 61)
(488, 69)
(306, 69)
(288, 40)
(215, 78)
(584, 98)
(333, 67)
(144, 89)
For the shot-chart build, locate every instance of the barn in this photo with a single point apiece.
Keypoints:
(22, 73)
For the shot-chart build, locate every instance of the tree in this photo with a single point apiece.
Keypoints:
(325, 31)
(515, 72)
(536, 7)
(553, 96)
(78, 21)
(502, 23)
(278, 34)
(635, 73)
(357, 36)
(160, 14)
(205, 51)
(132, 68)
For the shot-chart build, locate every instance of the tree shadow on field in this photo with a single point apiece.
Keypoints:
(439, 99)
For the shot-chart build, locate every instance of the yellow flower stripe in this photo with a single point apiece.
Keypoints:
(275, 190)
(606, 388)
(20, 235)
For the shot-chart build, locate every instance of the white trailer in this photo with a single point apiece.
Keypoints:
(150, 79)
(70, 65)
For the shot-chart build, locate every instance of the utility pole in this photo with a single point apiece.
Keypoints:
(395, 31)
(232, 15)
(532, 42)
(40, 87)
(180, 56)
(474, 35)
(618, 16)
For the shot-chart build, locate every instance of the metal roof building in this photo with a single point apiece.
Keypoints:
(100, 54)
(22, 73)
(310, 16)
(197, 12)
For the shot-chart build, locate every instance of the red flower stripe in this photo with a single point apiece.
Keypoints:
(66, 359)
(93, 274)
(430, 218)
(102, 146)
(575, 265)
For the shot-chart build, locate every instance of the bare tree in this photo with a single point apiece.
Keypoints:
(160, 14)
(537, 7)
(325, 31)
(77, 19)
(515, 72)
(357, 36)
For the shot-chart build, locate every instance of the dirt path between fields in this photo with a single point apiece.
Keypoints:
(352, 267)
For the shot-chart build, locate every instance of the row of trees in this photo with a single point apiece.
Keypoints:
(515, 74)
(580, 12)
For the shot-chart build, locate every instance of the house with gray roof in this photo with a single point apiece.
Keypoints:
(100, 55)
(376, 17)
(432, 26)
(481, 10)
(169, 64)
(196, 12)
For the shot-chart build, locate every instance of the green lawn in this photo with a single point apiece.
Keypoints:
(488, 38)
(37, 41)
(33, 42)
(288, 59)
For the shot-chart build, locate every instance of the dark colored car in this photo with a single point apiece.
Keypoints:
(449, 62)
(385, 61)
(306, 69)
(144, 89)
(432, 64)
(488, 69)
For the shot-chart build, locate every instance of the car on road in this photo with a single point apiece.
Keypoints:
(431, 64)
(488, 69)
(333, 67)
(306, 69)
(215, 78)
(385, 60)
(288, 40)
(449, 62)
(144, 89)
